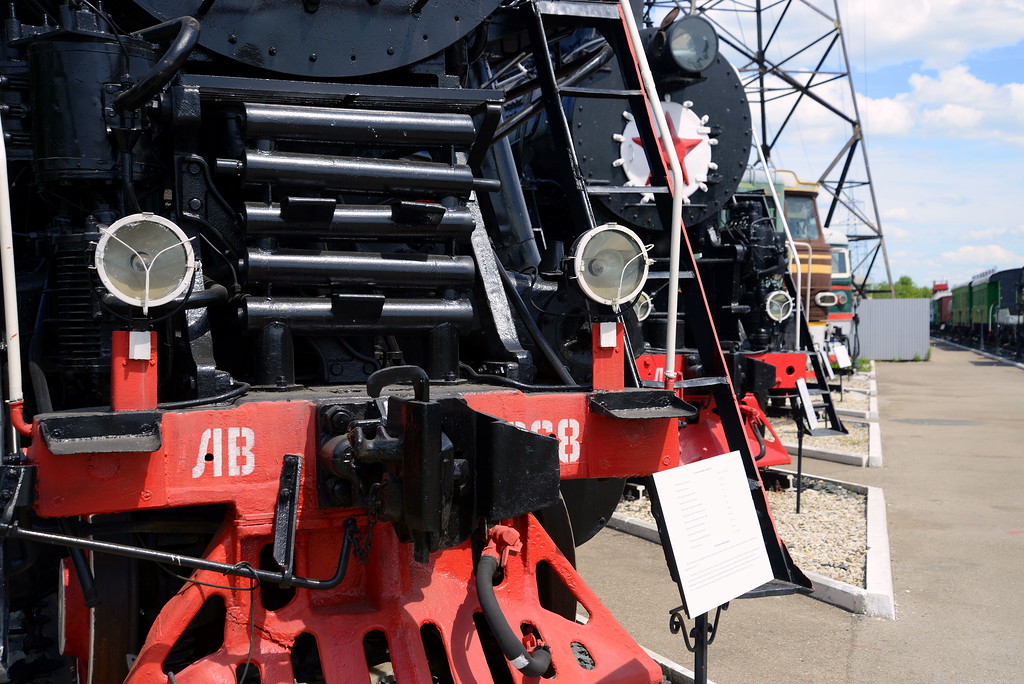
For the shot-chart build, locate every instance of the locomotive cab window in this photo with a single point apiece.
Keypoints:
(802, 217)
(840, 262)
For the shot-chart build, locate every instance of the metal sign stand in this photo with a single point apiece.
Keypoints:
(697, 639)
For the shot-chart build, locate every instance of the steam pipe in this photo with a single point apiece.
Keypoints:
(355, 221)
(321, 315)
(359, 268)
(287, 122)
(353, 173)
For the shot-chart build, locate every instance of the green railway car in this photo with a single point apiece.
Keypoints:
(984, 300)
(961, 311)
(987, 312)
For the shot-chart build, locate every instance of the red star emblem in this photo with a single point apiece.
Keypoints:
(683, 147)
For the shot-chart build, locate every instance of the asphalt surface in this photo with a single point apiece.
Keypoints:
(953, 477)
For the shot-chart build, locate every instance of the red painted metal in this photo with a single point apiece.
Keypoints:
(789, 367)
(18, 418)
(234, 456)
(706, 437)
(608, 362)
(75, 633)
(652, 366)
(775, 453)
(396, 596)
(133, 382)
(589, 445)
(210, 456)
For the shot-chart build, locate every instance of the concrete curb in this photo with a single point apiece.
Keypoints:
(874, 445)
(843, 457)
(872, 459)
(872, 393)
(875, 599)
(986, 354)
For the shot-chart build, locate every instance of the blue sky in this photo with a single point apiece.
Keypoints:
(940, 87)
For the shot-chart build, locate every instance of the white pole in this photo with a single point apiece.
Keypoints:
(10, 286)
(676, 225)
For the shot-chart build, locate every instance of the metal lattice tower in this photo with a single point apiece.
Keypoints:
(793, 60)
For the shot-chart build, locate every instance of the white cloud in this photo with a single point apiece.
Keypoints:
(880, 33)
(895, 232)
(897, 214)
(982, 255)
(886, 117)
(941, 32)
(991, 233)
(952, 105)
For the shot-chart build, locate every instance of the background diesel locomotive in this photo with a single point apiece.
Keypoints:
(232, 239)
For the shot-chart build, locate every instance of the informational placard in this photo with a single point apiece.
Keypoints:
(823, 356)
(805, 400)
(842, 356)
(712, 524)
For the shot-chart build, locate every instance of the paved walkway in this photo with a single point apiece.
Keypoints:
(953, 439)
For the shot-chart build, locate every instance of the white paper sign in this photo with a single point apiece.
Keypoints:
(712, 524)
(842, 356)
(823, 357)
(805, 398)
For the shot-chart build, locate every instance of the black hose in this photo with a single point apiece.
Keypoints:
(195, 299)
(236, 391)
(185, 32)
(760, 441)
(82, 569)
(530, 664)
(509, 382)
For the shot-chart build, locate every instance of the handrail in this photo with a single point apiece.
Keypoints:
(15, 391)
(676, 225)
(810, 271)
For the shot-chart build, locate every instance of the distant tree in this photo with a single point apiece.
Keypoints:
(905, 288)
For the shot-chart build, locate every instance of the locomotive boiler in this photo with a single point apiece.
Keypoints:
(329, 358)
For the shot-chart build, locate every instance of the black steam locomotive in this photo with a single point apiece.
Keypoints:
(342, 323)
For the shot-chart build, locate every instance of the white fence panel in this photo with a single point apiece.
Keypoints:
(894, 329)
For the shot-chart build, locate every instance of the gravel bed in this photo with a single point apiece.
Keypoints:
(828, 536)
(853, 400)
(855, 442)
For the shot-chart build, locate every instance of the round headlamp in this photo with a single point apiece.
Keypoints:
(610, 263)
(692, 43)
(778, 305)
(144, 260)
(644, 306)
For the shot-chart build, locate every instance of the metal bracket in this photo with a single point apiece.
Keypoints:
(702, 634)
(286, 517)
(15, 490)
(677, 623)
